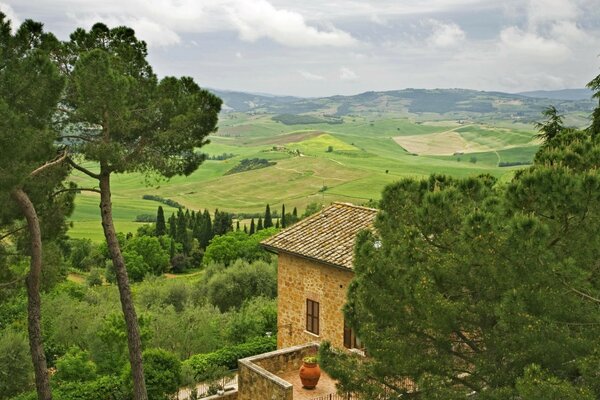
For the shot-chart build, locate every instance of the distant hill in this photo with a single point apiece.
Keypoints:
(420, 104)
(565, 94)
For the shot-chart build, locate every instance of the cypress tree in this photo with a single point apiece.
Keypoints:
(295, 213)
(181, 227)
(277, 223)
(268, 219)
(172, 249)
(283, 215)
(237, 226)
(206, 233)
(252, 226)
(259, 226)
(161, 227)
(245, 229)
(172, 226)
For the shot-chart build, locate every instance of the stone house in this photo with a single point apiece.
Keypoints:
(314, 271)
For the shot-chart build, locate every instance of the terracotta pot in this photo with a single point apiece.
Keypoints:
(309, 374)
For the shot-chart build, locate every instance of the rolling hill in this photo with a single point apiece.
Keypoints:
(340, 148)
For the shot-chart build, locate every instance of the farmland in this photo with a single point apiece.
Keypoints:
(351, 161)
(340, 148)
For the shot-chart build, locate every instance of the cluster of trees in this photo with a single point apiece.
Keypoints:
(476, 289)
(248, 164)
(85, 334)
(220, 157)
(97, 95)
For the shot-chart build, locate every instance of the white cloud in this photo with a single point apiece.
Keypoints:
(310, 76)
(346, 74)
(152, 32)
(11, 15)
(518, 42)
(445, 34)
(238, 55)
(162, 21)
(259, 19)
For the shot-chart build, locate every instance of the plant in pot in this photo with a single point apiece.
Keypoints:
(310, 372)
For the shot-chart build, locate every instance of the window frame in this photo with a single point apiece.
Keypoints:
(312, 316)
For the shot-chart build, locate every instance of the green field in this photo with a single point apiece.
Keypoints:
(365, 157)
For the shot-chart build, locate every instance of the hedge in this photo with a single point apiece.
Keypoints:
(229, 355)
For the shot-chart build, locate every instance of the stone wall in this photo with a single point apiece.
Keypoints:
(299, 279)
(257, 375)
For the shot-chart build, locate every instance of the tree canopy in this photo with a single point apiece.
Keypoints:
(475, 288)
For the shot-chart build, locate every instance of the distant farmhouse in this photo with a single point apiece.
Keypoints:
(316, 257)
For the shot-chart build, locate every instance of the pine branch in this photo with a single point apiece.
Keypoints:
(50, 164)
(76, 190)
(11, 233)
(82, 169)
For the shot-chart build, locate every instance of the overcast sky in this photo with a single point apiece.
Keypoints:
(326, 47)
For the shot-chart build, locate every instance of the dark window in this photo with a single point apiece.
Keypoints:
(312, 316)
(350, 339)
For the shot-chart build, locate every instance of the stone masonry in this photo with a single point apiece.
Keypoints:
(258, 375)
(299, 279)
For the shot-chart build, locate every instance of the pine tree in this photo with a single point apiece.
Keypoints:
(140, 123)
(259, 226)
(252, 230)
(268, 219)
(283, 216)
(161, 227)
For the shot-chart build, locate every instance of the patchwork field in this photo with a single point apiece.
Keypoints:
(350, 161)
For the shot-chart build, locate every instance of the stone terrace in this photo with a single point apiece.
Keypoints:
(274, 376)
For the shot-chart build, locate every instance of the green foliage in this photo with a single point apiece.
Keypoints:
(255, 318)
(295, 119)
(162, 371)
(240, 282)
(268, 222)
(106, 387)
(311, 209)
(551, 126)
(227, 248)
(16, 373)
(75, 366)
(169, 202)
(494, 280)
(95, 277)
(203, 364)
(537, 384)
(161, 226)
(249, 164)
(152, 252)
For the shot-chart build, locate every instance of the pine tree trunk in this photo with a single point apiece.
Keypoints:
(134, 340)
(34, 301)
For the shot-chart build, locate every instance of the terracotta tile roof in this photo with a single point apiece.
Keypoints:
(327, 236)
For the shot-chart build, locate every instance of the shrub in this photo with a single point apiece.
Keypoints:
(232, 246)
(203, 364)
(75, 366)
(240, 282)
(162, 370)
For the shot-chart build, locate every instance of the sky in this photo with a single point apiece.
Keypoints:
(317, 48)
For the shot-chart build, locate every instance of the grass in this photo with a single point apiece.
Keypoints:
(365, 158)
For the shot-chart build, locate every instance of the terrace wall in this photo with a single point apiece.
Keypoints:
(258, 378)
